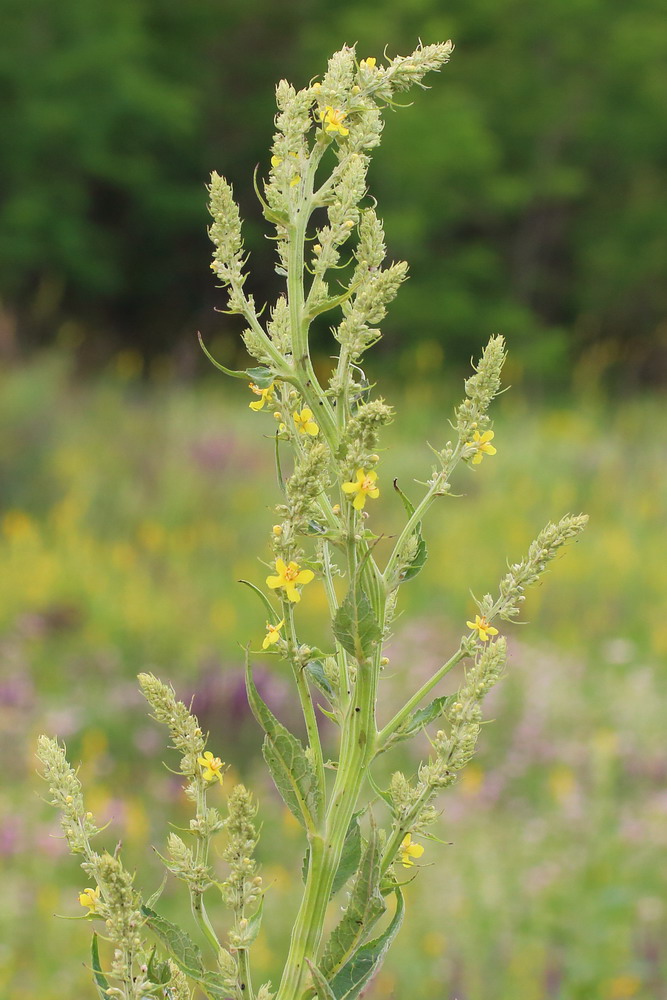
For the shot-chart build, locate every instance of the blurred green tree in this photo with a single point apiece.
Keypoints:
(537, 208)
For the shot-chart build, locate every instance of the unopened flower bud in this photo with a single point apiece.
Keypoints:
(277, 529)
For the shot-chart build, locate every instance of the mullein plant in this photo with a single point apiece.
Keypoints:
(361, 840)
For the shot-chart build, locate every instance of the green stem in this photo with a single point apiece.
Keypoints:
(325, 852)
(304, 697)
(244, 974)
(412, 703)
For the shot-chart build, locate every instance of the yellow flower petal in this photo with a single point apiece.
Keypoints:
(350, 487)
(274, 582)
(359, 501)
(305, 576)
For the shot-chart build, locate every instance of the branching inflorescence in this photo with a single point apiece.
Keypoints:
(331, 251)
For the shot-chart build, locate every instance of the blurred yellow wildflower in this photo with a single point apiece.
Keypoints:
(290, 577)
(409, 851)
(483, 628)
(266, 396)
(90, 898)
(333, 119)
(272, 634)
(483, 445)
(623, 987)
(211, 767)
(305, 423)
(368, 63)
(363, 487)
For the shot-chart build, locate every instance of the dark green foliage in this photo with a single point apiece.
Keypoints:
(536, 169)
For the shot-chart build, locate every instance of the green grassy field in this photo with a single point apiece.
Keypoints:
(127, 514)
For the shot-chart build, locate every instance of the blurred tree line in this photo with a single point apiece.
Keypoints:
(526, 189)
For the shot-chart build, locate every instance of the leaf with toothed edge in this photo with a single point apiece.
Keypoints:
(419, 719)
(355, 625)
(186, 955)
(291, 770)
(353, 977)
(364, 909)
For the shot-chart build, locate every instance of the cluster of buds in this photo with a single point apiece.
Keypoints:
(243, 886)
(78, 826)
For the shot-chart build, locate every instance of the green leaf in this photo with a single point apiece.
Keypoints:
(262, 596)
(180, 945)
(316, 673)
(349, 859)
(152, 900)
(418, 561)
(350, 856)
(292, 772)
(365, 907)
(385, 795)
(419, 719)
(262, 377)
(254, 924)
(320, 985)
(158, 972)
(186, 955)
(409, 506)
(101, 980)
(355, 625)
(350, 981)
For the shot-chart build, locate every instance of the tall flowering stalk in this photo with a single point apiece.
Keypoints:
(330, 251)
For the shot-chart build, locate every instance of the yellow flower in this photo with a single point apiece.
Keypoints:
(368, 63)
(483, 628)
(409, 851)
(276, 161)
(295, 180)
(289, 577)
(211, 766)
(333, 117)
(272, 634)
(265, 396)
(364, 487)
(305, 423)
(90, 898)
(481, 441)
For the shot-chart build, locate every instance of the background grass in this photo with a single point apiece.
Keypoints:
(128, 511)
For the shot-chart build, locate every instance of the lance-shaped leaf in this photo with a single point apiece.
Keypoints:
(316, 673)
(320, 985)
(357, 973)
(409, 571)
(101, 981)
(186, 955)
(418, 719)
(292, 772)
(158, 972)
(366, 906)
(355, 625)
(418, 560)
(350, 855)
(262, 377)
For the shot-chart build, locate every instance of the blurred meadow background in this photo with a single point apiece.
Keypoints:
(526, 190)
